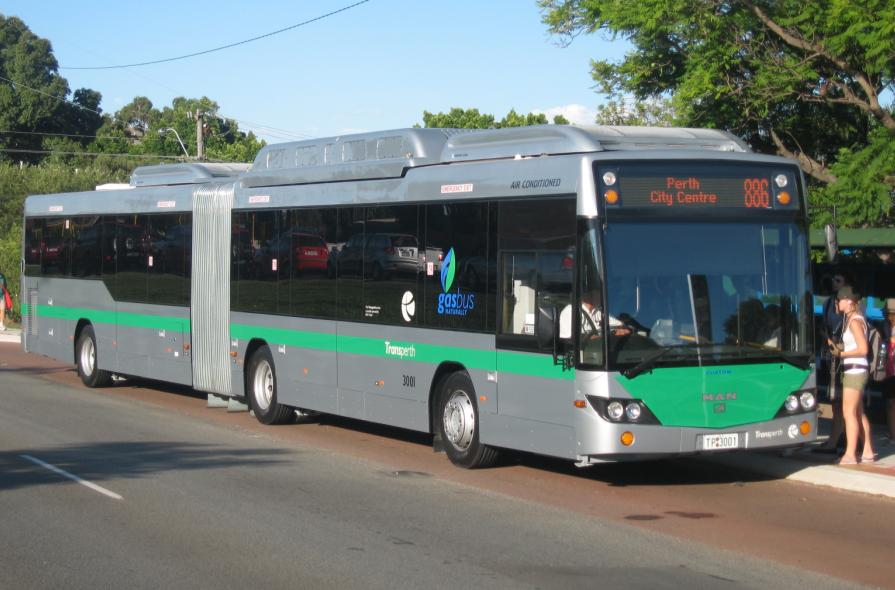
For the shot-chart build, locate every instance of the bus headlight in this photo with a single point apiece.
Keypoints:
(632, 411)
(615, 411)
(792, 403)
(807, 400)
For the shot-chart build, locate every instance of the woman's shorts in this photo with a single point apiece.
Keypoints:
(854, 380)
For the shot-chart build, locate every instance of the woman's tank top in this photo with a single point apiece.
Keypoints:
(853, 364)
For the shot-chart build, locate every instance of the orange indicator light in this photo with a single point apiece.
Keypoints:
(580, 403)
(611, 196)
(805, 427)
(627, 438)
(783, 198)
(233, 353)
(483, 398)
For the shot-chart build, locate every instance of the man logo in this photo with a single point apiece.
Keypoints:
(408, 306)
(447, 271)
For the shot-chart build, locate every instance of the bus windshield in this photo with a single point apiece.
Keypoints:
(703, 293)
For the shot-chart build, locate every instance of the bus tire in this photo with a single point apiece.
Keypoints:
(86, 360)
(457, 421)
(261, 387)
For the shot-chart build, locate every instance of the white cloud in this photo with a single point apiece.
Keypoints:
(575, 113)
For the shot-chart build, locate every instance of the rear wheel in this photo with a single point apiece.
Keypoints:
(458, 424)
(261, 385)
(86, 360)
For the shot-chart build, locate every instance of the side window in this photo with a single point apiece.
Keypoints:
(55, 256)
(349, 262)
(392, 265)
(86, 247)
(536, 240)
(109, 252)
(132, 257)
(258, 263)
(314, 242)
(167, 242)
(34, 229)
(456, 269)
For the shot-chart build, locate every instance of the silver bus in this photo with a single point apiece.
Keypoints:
(590, 293)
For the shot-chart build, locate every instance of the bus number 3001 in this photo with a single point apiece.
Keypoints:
(409, 381)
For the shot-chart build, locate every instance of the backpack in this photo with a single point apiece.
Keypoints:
(876, 354)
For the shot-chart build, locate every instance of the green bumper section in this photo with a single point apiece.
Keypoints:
(716, 396)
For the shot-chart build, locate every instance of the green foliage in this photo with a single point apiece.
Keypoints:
(18, 182)
(863, 195)
(10, 249)
(800, 78)
(652, 112)
(459, 118)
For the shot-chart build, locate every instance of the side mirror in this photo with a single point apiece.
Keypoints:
(547, 328)
(832, 242)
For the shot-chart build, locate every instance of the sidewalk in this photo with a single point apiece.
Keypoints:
(11, 335)
(876, 478)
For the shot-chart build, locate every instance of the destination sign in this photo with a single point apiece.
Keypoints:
(702, 185)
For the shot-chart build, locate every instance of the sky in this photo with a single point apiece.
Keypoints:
(375, 66)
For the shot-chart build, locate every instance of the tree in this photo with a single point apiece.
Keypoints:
(459, 118)
(28, 62)
(652, 112)
(803, 78)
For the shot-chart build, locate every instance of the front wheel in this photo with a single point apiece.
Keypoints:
(85, 358)
(458, 424)
(261, 385)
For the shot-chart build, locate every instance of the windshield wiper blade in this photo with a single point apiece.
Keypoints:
(648, 363)
(799, 361)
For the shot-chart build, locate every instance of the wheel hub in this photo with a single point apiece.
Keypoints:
(459, 420)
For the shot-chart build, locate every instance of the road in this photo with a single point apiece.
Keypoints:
(190, 497)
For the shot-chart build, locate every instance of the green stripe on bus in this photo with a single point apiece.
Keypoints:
(99, 316)
(299, 338)
(534, 365)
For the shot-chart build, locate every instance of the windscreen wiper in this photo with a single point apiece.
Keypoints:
(798, 360)
(648, 363)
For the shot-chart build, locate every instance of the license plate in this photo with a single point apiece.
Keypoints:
(312, 252)
(717, 442)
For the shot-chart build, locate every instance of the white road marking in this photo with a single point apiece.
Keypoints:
(73, 477)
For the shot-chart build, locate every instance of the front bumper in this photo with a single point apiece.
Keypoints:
(599, 440)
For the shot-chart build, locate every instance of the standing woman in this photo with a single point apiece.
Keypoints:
(853, 354)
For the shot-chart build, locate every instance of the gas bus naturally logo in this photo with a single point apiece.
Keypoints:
(453, 303)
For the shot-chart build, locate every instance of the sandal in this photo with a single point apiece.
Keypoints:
(844, 461)
(870, 459)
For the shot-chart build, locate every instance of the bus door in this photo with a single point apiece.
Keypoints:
(536, 268)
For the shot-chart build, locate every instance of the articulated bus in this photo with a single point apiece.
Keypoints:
(591, 293)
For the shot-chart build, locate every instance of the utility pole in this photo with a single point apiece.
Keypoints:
(200, 135)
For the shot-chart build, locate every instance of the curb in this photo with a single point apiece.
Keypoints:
(843, 478)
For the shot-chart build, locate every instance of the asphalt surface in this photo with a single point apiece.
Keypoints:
(212, 504)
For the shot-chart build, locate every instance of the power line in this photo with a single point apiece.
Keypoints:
(63, 134)
(95, 154)
(159, 61)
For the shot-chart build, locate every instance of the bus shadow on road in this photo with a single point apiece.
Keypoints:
(117, 460)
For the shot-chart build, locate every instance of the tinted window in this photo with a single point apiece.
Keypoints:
(131, 247)
(256, 261)
(170, 235)
(392, 265)
(537, 247)
(86, 247)
(456, 267)
(349, 259)
(314, 234)
(34, 229)
(55, 256)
